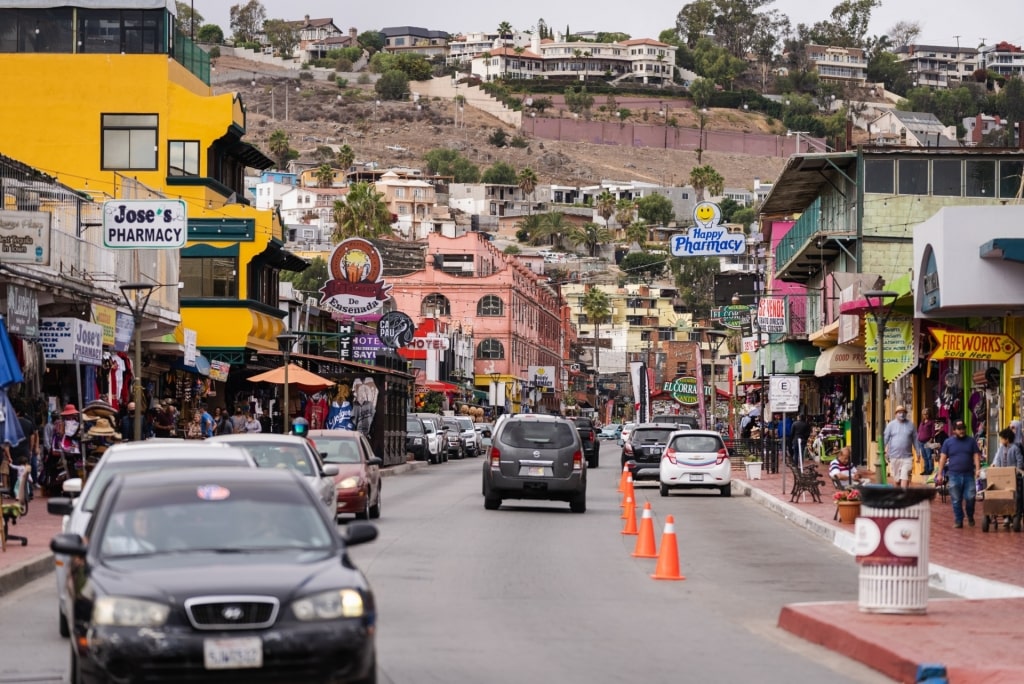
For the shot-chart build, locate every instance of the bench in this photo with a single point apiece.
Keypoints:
(807, 480)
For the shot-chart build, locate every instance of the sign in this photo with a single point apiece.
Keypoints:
(784, 393)
(190, 347)
(365, 348)
(106, 317)
(145, 224)
(900, 346)
(71, 339)
(954, 344)
(395, 329)
(219, 371)
(683, 389)
(771, 315)
(542, 376)
(124, 331)
(887, 541)
(25, 237)
(357, 290)
(22, 311)
(734, 316)
(430, 342)
(706, 237)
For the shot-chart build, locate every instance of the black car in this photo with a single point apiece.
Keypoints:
(217, 575)
(453, 434)
(591, 445)
(643, 450)
(416, 438)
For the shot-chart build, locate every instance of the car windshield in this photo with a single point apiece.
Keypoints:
(538, 434)
(414, 426)
(339, 449)
(100, 477)
(466, 423)
(210, 517)
(701, 444)
(292, 456)
(651, 436)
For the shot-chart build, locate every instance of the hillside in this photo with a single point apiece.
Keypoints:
(399, 134)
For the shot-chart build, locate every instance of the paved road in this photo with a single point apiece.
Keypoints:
(532, 592)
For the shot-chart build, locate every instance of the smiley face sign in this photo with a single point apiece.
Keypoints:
(707, 238)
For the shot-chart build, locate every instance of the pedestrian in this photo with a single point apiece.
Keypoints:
(842, 471)
(252, 424)
(224, 426)
(800, 436)
(964, 459)
(194, 430)
(26, 451)
(925, 435)
(127, 425)
(206, 420)
(238, 421)
(899, 447)
(1009, 453)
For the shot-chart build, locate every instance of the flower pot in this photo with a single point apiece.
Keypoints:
(753, 470)
(849, 511)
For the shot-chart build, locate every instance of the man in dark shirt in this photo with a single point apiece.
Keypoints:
(964, 458)
(800, 435)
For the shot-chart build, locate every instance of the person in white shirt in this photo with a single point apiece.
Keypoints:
(842, 471)
(251, 423)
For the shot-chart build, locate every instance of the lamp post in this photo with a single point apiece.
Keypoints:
(136, 296)
(495, 377)
(285, 341)
(721, 337)
(880, 311)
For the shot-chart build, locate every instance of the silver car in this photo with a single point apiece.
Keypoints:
(472, 442)
(289, 451)
(129, 457)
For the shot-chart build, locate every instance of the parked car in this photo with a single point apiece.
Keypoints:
(695, 459)
(588, 436)
(437, 442)
(472, 443)
(674, 419)
(417, 442)
(288, 451)
(642, 452)
(624, 435)
(485, 430)
(536, 456)
(610, 431)
(123, 458)
(217, 574)
(453, 435)
(358, 478)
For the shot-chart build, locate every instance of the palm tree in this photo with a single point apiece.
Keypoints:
(346, 155)
(363, 213)
(527, 181)
(527, 228)
(597, 307)
(280, 147)
(604, 204)
(504, 30)
(637, 232)
(706, 178)
(553, 228)
(324, 176)
(591, 235)
(625, 210)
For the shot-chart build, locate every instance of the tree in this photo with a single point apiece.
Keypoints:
(311, 279)
(527, 181)
(346, 156)
(324, 176)
(188, 21)
(625, 212)
(371, 41)
(280, 148)
(246, 21)
(706, 178)
(642, 266)
(604, 205)
(528, 227)
(504, 30)
(210, 33)
(448, 162)
(500, 174)
(766, 42)
(744, 216)
(702, 90)
(1013, 106)
(655, 209)
(591, 235)
(578, 101)
(363, 213)
(598, 308)
(695, 281)
(392, 85)
(715, 63)
(551, 227)
(903, 33)
(282, 35)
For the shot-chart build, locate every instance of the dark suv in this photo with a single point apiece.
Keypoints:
(535, 456)
(416, 439)
(643, 450)
(591, 445)
(453, 432)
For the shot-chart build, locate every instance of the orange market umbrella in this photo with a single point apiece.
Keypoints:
(297, 376)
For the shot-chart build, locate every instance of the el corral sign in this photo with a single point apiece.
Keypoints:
(145, 224)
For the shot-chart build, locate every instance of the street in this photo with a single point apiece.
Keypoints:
(532, 592)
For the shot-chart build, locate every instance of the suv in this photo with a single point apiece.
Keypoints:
(695, 459)
(416, 439)
(472, 442)
(535, 456)
(642, 451)
(436, 444)
(453, 431)
(673, 419)
(588, 435)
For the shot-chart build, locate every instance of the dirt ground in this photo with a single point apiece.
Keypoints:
(398, 134)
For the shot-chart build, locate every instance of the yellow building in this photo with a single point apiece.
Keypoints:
(116, 103)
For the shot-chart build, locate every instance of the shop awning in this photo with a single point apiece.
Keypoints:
(843, 359)
(1007, 249)
(439, 386)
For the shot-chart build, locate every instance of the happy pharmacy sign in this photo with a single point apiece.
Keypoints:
(706, 237)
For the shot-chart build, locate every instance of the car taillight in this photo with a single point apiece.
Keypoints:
(577, 460)
(723, 455)
(670, 454)
(590, 436)
(495, 457)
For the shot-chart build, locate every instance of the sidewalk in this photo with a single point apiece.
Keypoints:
(975, 640)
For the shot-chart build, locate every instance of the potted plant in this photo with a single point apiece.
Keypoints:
(847, 505)
(753, 464)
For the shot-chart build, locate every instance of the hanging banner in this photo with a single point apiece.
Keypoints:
(22, 311)
(641, 391)
(357, 291)
(190, 347)
(71, 339)
(219, 371)
(124, 331)
(899, 346)
(771, 315)
(105, 317)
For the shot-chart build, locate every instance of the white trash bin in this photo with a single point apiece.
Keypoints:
(891, 546)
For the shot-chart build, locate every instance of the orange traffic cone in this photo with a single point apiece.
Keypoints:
(628, 493)
(668, 560)
(630, 517)
(645, 540)
(622, 480)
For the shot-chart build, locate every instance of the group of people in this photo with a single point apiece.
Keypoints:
(222, 422)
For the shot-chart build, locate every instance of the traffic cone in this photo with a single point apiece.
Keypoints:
(668, 560)
(645, 540)
(630, 517)
(622, 480)
(628, 493)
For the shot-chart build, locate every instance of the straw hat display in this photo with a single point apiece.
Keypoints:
(98, 409)
(103, 428)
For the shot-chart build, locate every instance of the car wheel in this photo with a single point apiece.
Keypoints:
(74, 674)
(375, 509)
(726, 490)
(62, 624)
(492, 502)
(365, 513)
(664, 490)
(593, 463)
(578, 504)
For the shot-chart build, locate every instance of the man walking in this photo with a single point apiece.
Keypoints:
(964, 458)
(801, 435)
(899, 438)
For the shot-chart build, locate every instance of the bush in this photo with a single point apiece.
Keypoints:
(305, 76)
(519, 142)
(214, 52)
(498, 138)
(364, 79)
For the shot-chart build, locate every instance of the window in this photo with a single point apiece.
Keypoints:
(946, 180)
(36, 30)
(183, 158)
(981, 178)
(490, 349)
(129, 141)
(490, 305)
(435, 305)
(1010, 178)
(879, 176)
(112, 31)
(913, 177)
(209, 276)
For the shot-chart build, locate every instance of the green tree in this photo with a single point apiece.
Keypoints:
(363, 213)
(447, 162)
(511, 249)
(527, 181)
(282, 35)
(528, 227)
(504, 30)
(766, 42)
(324, 176)
(392, 85)
(591, 235)
(311, 279)
(246, 21)
(642, 266)
(552, 228)
(625, 212)
(210, 33)
(637, 232)
(655, 209)
(578, 101)
(500, 173)
(280, 148)
(188, 21)
(702, 90)
(598, 308)
(604, 205)
(371, 41)
(346, 157)
(744, 216)
(714, 62)
(695, 281)
(706, 178)
(1013, 106)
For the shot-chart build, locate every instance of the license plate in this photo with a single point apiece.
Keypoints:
(696, 478)
(233, 654)
(535, 471)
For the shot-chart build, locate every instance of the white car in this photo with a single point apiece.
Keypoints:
(695, 459)
(472, 442)
(129, 457)
(624, 435)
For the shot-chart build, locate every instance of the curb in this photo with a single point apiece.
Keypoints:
(25, 572)
(402, 468)
(952, 581)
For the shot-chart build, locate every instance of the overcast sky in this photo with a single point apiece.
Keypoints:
(941, 20)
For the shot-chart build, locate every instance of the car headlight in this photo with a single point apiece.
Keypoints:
(329, 605)
(120, 611)
(417, 440)
(349, 483)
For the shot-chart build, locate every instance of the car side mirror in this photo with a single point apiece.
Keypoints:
(375, 461)
(59, 505)
(69, 544)
(72, 486)
(330, 470)
(359, 533)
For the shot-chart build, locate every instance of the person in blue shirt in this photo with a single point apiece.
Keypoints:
(963, 455)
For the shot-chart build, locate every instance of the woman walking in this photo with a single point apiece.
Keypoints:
(925, 436)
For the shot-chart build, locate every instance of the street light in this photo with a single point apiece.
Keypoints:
(136, 296)
(285, 341)
(881, 312)
(495, 377)
(722, 337)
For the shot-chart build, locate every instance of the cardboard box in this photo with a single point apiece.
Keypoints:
(1001, 479)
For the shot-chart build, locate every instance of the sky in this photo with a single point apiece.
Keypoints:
(941, 20)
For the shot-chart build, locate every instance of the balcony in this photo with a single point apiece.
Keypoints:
(809, 246)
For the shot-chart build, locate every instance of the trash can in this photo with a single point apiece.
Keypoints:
(891, 546)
